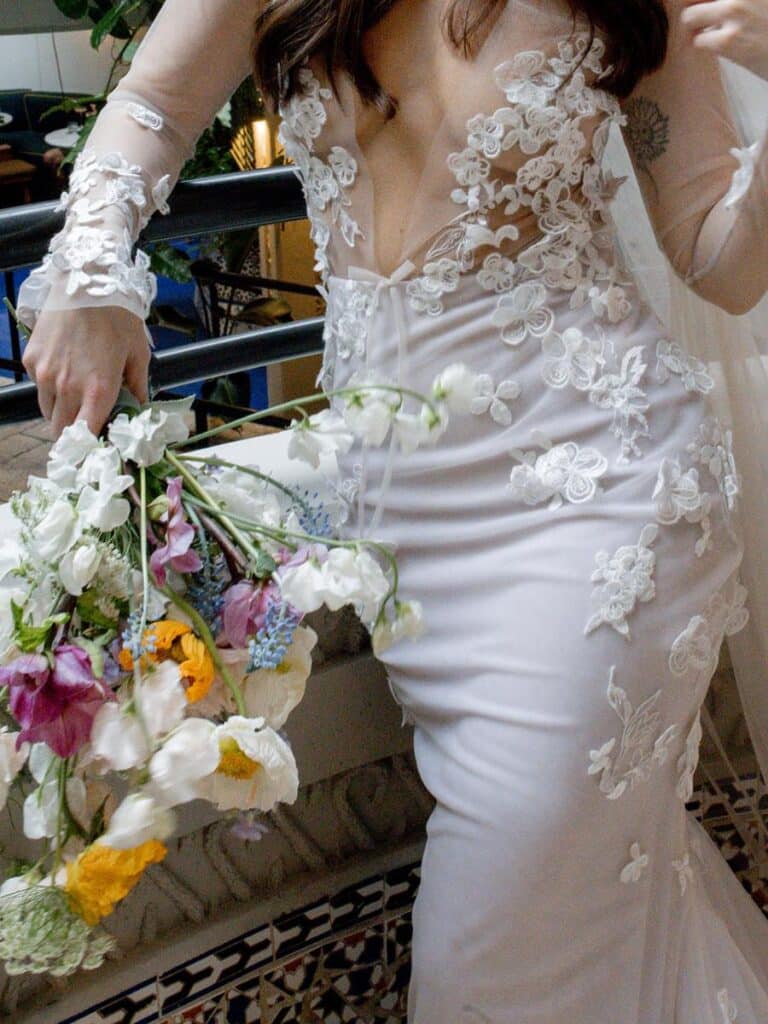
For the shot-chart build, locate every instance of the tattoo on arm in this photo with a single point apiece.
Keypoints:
(646, 132)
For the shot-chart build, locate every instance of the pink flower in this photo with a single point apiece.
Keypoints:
(244, 611)
(54, 705)
(179, 534)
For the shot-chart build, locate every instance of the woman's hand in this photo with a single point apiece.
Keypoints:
(735, 29)
(79, 359)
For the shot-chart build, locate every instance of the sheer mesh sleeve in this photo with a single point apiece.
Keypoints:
(706, 191)
(194, 56)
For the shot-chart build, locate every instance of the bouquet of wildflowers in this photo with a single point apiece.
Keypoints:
(152, 645)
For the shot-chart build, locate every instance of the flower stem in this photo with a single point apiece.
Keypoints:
(211, 506)
(207, 637)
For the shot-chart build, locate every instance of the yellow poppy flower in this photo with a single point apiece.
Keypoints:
(101, 876)
(197, 666)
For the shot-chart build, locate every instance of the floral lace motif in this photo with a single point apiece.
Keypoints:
(565, 472)
(684, 872)
(493, 399)
(688, 760)
(678, 496)
(671, 358)
(589, 365)
(727, 1006)
(697, 647)
(97, 260)
(626, 577)
(548, 103)
(638, 750)
(345, 328)
(325, 181)
(633, 871)
(713, 448)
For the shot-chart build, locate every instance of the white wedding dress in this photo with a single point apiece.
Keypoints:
(573, 540)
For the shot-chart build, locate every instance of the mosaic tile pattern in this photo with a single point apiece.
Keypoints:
(345, 958)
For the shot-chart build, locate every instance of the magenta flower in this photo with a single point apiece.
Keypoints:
(54, 705)
(179, 534)
(244, 612)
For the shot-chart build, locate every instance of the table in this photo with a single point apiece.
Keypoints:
(63, 138)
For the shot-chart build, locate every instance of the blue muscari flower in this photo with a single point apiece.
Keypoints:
(267, 649)
(312, 514)
(205, 592)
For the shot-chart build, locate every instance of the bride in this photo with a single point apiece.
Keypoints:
(577, 539)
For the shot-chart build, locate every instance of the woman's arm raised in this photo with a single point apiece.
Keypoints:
(81, 349)
(706, 192)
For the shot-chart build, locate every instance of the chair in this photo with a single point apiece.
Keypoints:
(15, 174)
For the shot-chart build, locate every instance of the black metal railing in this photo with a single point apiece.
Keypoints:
(198, 207)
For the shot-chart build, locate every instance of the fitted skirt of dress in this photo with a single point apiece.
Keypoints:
(571, 542)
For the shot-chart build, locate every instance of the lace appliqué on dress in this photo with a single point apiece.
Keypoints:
(677, 496)
(638, 751)
(696, 648)
(325, 182)
(96, 260)
(632, 872)
(626, 577)
(565, 472)
(684, 872)
(672, 359)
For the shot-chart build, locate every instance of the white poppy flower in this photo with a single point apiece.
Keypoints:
(272, 694)
(137, 820)
(188, 755)
(161, 698)
(256, 767)
(117, 739)
(11, 762)
(144, 438)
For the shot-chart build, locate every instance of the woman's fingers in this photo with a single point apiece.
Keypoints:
(63, 412)
(705, 16)
(98, 402)
(137, 374)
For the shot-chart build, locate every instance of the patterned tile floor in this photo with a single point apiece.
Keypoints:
(23, 450)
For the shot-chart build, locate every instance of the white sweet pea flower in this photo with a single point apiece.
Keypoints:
(11, 556)
(369, 412)
(74, 444)
(354, 577)
(137, 820)
(256, 767)
(177, 769)
(325, 433)
(456, 385)
(11, 762)
(272, 694)
(117, 739)
(303, 585)
(56, 532)
(143, 438)
(408, 623)
(415, 429)
(78, 567)
(103, 506)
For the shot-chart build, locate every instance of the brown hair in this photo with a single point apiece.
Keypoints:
(290, 31)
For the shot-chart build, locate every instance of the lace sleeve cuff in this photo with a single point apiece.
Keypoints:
(90, 262)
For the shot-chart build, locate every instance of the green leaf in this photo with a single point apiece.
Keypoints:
(265, 565)
(29, 638)
(75, 9)
(91, 614)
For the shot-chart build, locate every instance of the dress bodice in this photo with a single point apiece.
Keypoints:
(509, 185)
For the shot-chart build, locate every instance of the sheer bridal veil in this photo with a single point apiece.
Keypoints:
(735, 349)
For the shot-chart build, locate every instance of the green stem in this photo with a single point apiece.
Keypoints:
(216, 461)
(297, 403)
(197, 488)
(207, 637)
(144, 552)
